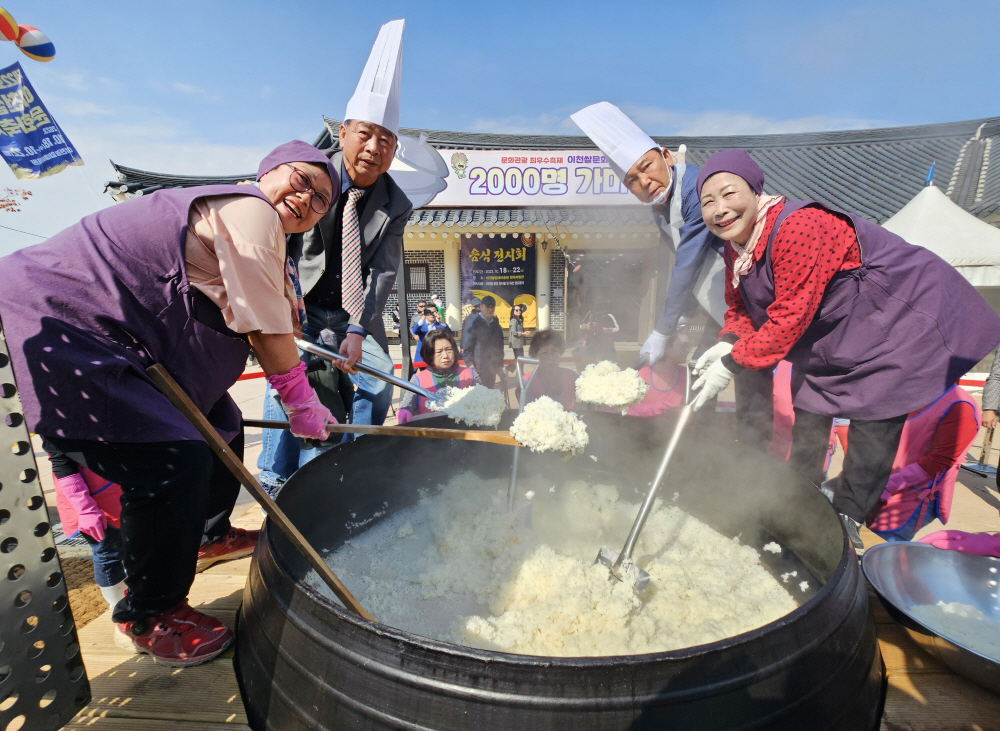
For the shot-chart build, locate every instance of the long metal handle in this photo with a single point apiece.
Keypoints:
(512, 487)
(364, 368)
(647, 504)
(170, 388)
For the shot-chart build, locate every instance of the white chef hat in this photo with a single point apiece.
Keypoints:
(376, 99)
(619, 138)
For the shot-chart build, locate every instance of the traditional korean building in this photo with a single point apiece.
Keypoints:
(569, 238)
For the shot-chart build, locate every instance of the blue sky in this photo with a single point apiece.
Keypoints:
(209, 86)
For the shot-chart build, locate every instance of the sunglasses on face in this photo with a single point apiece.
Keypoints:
(301, 183)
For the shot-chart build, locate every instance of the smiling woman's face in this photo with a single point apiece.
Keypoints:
(729, 207)
(295, 208)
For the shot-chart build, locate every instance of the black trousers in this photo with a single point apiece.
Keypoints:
(871, 450)
(755, 407)
(169, 491)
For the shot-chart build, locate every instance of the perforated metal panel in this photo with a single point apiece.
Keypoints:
(43, 682)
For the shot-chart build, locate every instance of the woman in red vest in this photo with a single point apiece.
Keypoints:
(440, 353)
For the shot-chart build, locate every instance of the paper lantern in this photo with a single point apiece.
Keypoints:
(8, 26)
(35, 44)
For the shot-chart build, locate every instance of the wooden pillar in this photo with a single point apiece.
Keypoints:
(452, 284)
(543, 271)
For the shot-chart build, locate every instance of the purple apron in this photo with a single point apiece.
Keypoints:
(889, 337)
(86, 312)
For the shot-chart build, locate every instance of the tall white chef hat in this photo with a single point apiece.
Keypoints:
(376, 99)
(619, 138)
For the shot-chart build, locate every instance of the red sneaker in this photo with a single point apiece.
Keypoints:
(179, 637)
(237, 543)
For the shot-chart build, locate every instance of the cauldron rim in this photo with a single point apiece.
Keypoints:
(590, 661)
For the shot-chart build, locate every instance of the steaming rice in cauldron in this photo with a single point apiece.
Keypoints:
(457, 567)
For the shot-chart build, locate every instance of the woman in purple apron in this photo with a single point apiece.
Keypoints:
(188, 278)
(874, 327)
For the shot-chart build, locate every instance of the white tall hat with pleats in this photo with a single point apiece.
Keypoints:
(619, 138)
(376, 99)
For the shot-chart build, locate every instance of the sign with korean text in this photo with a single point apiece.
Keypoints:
(31, 142)
(504, 269)
(525, 178)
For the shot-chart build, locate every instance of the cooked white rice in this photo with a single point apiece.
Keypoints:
(545, 426)
(458, 567)
(606, 384)
(478, 406)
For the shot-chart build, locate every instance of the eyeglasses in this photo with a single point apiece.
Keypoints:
(301, 183)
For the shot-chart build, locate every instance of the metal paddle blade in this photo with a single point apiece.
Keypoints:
(618, 572)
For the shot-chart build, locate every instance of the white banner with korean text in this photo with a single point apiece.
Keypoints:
(489, 178)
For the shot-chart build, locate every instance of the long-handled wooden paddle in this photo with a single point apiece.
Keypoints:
(165, 382)
(495, 437)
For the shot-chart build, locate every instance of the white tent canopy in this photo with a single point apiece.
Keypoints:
(970, 245)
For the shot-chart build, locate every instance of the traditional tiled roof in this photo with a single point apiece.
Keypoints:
(596, 216)
(874, 172)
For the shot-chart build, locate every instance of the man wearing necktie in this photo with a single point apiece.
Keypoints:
(347, 263)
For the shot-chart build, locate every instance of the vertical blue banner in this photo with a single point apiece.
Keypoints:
(31, 142)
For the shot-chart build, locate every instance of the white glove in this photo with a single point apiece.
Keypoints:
(654, 347)
(710, 356)
(711, 384)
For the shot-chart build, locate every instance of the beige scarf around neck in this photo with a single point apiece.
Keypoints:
(744, 254)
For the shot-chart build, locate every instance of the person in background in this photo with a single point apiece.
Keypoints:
(440, 352)
(551, 380)
(90, 506)
(347, 262)
(438, 305)
(482, 343)
(474, 304)
(599, 327)
(991, 399)
(516, 331)
(429, 324)
(874, 327)
(667, 378)
(418, 312)
(922, 482)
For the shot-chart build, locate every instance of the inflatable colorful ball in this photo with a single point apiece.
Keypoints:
(35, 44)
(8, 26)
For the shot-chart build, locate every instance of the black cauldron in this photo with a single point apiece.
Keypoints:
(304, 662)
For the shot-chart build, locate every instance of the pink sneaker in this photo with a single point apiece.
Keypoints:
(237, 543)
(179, 637)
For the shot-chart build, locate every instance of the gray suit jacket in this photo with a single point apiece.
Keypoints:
(382, 222)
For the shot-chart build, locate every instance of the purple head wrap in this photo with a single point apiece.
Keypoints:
(737, 162)
(299, 151)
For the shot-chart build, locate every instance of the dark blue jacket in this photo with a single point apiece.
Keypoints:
(696, 244)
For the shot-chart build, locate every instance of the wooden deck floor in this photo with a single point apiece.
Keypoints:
(131, 693)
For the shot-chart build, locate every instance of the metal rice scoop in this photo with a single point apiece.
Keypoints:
(618, 564)
(334, 356)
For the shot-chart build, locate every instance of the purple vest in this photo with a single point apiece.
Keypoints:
(889, 337)
(86, 312)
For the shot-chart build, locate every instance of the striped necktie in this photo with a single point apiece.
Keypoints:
(352, 294)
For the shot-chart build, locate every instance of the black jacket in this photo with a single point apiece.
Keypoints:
(482, 344)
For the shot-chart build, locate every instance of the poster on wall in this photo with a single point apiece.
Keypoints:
(503, 268)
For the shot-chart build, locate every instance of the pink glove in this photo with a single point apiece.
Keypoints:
(911, 475)
(403, 416)
(306, 415)
(975, 544)
(89, 517)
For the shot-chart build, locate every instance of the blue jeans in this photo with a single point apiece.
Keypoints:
(282, 453)
(108, 567)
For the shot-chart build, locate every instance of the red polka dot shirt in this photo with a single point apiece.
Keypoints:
(812, 245)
